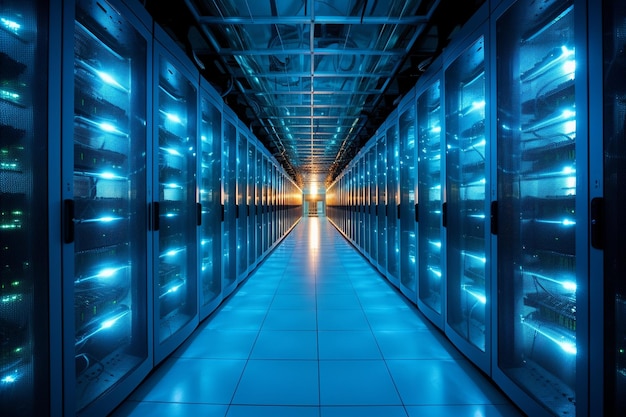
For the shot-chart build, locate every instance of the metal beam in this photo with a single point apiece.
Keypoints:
(317, 20)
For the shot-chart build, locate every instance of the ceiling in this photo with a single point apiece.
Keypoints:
(313, 79)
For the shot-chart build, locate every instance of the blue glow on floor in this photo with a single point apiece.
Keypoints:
(315, 331)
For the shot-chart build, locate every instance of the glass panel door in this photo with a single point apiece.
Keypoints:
(176, 118)
(24, 351)
(430, 195)
(614, 16)
(408, 227)
(242, 217)
(229, 196)
(250, 203)
(210, 199)
(258, 202)
(381, 177)
(110, 182)
(536, 201)
(466, 194)
(393, 172)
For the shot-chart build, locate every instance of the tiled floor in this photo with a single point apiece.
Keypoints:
(315, 331)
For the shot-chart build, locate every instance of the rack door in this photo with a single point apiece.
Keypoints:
(242, 216)
(466, 184)
(175, 214)
(393, 173)
(381, 208)
(373, 202)
(258, 203)
(24, 375)
(537, 191)
(108, 212)
(251, 248)
(429, 167)
(408, 226)
(229, 195)
(210, 202)
(614, 245)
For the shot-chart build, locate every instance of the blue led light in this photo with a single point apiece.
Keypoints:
(10, 24)
(568, 346)
(107, 78)
(9, 379)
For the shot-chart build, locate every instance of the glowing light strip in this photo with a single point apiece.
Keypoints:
(568, 285)
(104, 325)
(10, 24)
(173, 288)
(104, 273)
(568, 346)
(172, 252)
(480, 297)
(478, 258)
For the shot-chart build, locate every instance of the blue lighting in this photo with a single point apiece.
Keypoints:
(10, 24)
(107, 78)
(553, 335)
(9, 379)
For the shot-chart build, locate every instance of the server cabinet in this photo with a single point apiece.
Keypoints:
(373, 204)
(467, 182)
(28, 266)
(380, 154)
(431, 295)
(229, 201)
(175, 205)
(210, 235)
(408, 198)
(540, 160)
(258, 205)
(105, 172)
(360, 202)
(393, 209)
(608, 225)
(250, 201)
(240, 205)
(265, 203)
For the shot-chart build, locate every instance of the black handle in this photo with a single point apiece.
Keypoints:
(156, 220)
(237, 211)
(399, 211)
(597, 222)
(494, 217)
(223, 212)
(68, 221)
(417, 213)
(199, 214)
(444, 214)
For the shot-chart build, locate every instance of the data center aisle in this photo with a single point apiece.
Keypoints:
(316, 332)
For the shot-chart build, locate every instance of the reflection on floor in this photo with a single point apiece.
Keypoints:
(316, 331)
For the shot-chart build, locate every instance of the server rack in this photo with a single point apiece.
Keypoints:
(380, 155)
(29, 178)
(467, 194)
(541, 200)
(258, 207)
(105, 172)
(252, 259)
(607, 120)
(373, 202)
(210, 234)
(174, 214)
(408, 196)
(430, 167)
(240, 205)
(393, 200)
(229, 196)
